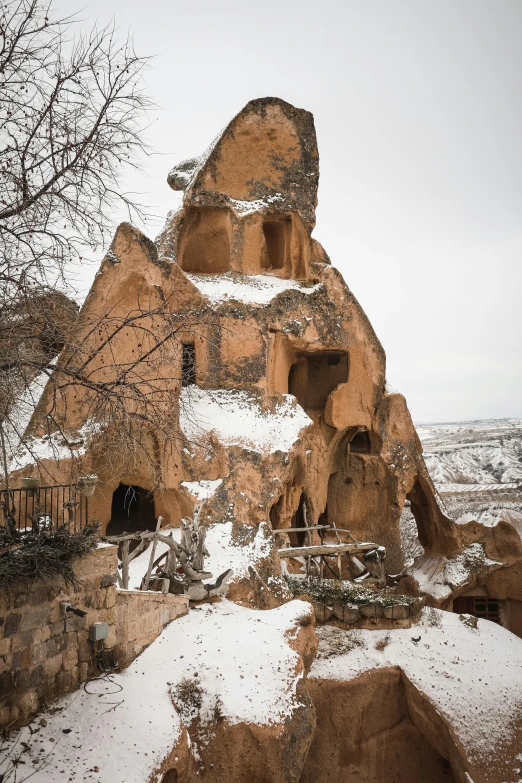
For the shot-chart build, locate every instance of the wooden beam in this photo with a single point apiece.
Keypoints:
(325, 549)
(300, 529)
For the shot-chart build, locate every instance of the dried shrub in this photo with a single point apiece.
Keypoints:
(188, 697)
(383, 643)
(305, 620)
(44, 556)
(332, 591)
(433, 617)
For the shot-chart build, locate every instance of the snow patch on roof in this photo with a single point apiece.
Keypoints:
(202, 490)
(57, 446)
(250, 289)
(238, 419)
(248, 207)
(439, 576)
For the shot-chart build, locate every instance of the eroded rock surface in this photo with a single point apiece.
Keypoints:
(439, 701)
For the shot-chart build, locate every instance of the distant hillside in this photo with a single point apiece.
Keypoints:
(478, 452)
(477, 468)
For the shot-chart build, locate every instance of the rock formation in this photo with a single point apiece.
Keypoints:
(277, 416)
(287, 403)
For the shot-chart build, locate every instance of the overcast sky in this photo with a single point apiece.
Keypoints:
(418, 109)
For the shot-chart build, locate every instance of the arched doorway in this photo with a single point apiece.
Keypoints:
(132, 510)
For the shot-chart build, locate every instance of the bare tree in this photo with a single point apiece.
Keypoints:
(72, 116)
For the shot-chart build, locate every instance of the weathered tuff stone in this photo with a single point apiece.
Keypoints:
(397, 611)
(371, 610)
(347, 614)
(12, 624)
(322, 612)
(108, 580)
(248, 212)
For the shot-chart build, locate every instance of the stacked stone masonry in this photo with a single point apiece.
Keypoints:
(44, 654)
(140, 617)
(358, 615)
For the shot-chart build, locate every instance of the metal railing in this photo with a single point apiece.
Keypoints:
(44, 509)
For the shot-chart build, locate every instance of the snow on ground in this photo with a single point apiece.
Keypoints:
(477, 468)
(237, 659)
(121, 730)
(491, 515)
(250, 289)
(242, 658)
(225, 553)
(238, 419)
(473, 677)
(138, 566)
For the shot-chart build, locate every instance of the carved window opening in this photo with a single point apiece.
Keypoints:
(206, 246)
(188, 368)
(480, 606)
(132, 510)
(314, 376)
(276, 235)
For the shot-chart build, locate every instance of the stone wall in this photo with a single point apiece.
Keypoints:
(44, 654)
(140, 618)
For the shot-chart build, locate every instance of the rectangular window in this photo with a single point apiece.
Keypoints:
(480, 606)
(188, 369)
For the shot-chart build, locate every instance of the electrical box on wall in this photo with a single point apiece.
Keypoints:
(98, 631)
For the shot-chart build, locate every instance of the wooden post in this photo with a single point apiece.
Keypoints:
(152, 553)
(339, 556)
(125, 565)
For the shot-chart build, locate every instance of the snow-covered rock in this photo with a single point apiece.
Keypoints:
(237, 418)
(233, 677)
(454, 687)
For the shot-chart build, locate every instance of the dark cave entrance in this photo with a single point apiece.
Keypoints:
(300, 519)
(360, 443)
(132, 510)
(314, 376)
